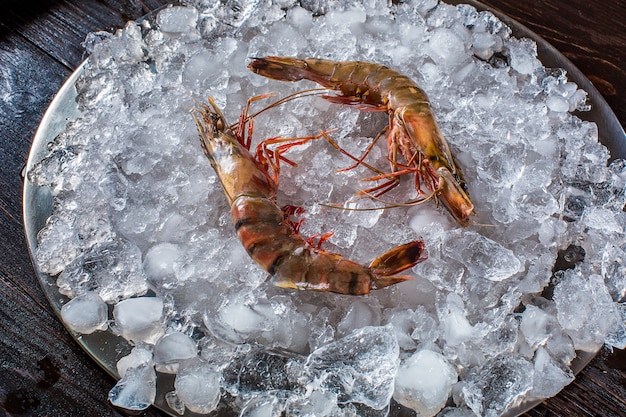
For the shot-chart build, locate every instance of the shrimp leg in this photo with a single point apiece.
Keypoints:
(412, 127)
(268, 235)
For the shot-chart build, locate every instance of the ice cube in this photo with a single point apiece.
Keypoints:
(317, 403)
(456, 327)
(177, 19)
(159, 261)
(140, 355)
(603, 219)
(483, 257)
(254, 370)
(86, 313)
(483, 44)
(112, 267)
(537, 326)
(197, 385)
(263, 405)
(136, 390)
(557, 104)
(523, 53)
(585, 308)
(359, 314)
(424, 382)
(614, 271)
(173, 349)
(365, 213)
(445, 47)
(139, 319)
(358, 368)
(497, 385)
(550, 375)
(617, 335)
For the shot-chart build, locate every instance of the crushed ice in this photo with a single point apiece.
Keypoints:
(141, 223)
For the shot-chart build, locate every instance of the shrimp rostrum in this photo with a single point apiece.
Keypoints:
(266, 232)
(412, 131)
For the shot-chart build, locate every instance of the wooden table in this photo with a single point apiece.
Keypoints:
(43, 371)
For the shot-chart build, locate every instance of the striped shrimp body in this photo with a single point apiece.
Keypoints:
(267, 234)
(412, 132)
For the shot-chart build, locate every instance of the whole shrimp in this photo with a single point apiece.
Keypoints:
(412, 130)
(265, 230)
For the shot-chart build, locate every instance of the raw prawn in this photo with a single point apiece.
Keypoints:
(265, 230)
(412, 130)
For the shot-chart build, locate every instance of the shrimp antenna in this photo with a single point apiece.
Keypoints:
(286, 99)
(386, 204)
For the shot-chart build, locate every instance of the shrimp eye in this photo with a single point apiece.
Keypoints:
(217, 122)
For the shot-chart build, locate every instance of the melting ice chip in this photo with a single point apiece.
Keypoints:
(263, 406)
(85, 314)
(585, 308)
(457, 328)
(445, 47)
(172, 349)
(483, 257)
(550, 376)
(358, 315)
(159, 261)
(198, 387)
(177, 19)
(139, 356)
(484, 44)
(139, 319)
(537, 325)
(494, 387)
(424, 382)
(523, 55)
(318, 403)
(359, 368)
(137, 390)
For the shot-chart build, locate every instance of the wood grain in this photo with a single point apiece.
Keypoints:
(43, 372)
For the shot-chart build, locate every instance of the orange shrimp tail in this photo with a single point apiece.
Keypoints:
(382, 282)
(399, 258)
(279, 68)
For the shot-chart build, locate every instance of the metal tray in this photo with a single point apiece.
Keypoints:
(106, 349)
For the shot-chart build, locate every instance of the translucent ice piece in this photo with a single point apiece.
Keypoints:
(617, 335)
(550, 375)
(358, 368)
(173, 349)
(497, 385)
(483, 257)
(140, 355)
(113, 268)
(177, 19)
(137, 390)
(257, 370)
(86, 313)
(359, 314)
(584, 308)
(614, 271)
(159, 261)
(537, 326)
(446, 48)
(523, 54)
(139, 319)
(424, 382)
(197, 385)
